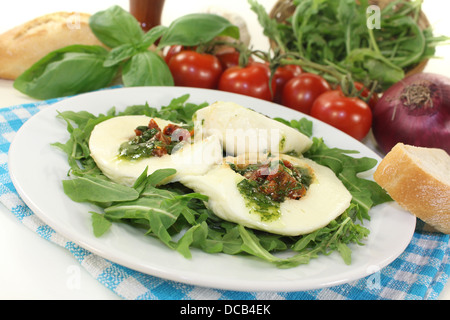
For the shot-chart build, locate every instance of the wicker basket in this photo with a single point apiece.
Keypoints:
(283, 9)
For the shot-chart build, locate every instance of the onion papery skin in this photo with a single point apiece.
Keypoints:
(396, 118)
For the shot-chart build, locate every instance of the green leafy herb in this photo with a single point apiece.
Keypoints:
(93, 189)
(115, 27)
(366, 193)
(131, 55)
(303, 125)
(179, 218)
(146, 69)
(67, 71)
(270, 26)
(198, 28)
(339, 34)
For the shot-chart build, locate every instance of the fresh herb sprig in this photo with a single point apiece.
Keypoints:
(128, 55)
(164, 211)
(333, 38)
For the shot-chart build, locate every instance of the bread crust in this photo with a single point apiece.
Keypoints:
(25, 44)
(414, 187)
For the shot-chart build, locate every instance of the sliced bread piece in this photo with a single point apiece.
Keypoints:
(418, 179)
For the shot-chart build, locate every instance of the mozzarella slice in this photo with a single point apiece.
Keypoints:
(243, 130)
(326, 199)
(107, 136)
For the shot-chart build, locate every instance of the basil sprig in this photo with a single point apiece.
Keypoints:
(81, 68)
(67, 71)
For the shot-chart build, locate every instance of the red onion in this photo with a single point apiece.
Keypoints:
(414, 111)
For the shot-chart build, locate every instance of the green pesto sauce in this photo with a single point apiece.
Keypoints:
(258, 202)
(262, 204)
(282, 142)
(143, 146)
(134, 150)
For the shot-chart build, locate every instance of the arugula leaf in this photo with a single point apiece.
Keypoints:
(335, 34)
(100, 224)
(199, 236)
(303, 125)
(270, 27)
(77, 147)
(93, 189)
(365, 192)
(188, 239)
(252, 245)
(157, 177)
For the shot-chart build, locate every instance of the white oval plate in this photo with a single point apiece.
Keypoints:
(37, 169)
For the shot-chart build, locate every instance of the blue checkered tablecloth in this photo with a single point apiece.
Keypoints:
(419, 273)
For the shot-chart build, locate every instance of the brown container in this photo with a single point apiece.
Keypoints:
(147, 12)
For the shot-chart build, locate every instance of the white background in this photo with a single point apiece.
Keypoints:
(34, 268)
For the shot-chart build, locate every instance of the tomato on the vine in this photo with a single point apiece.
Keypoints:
(281, 76)
(365, 92)
(193, 69)
(251, 80)
(172, 51)
(372, 101)
(228, 57)
(300, 92)
(349, 114)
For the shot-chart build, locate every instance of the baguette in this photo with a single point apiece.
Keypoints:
(418, 179)
(25, 44)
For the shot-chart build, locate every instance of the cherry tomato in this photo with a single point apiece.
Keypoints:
(282, 75)
(349, 114)
(174, 50)
(228, 57)
(300, 92)
(365, 93)
(252, 80)
(193, 69)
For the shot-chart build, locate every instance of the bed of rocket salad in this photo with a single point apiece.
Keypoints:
(179, 218)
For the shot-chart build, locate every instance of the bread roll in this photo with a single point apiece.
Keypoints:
(24, 45)
(418, 179)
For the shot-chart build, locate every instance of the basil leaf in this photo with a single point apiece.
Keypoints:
(146, 69)
(67, 71)
(127, 50)
(197, 28)
(115, 27)
(152, 35)
(119, 54)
